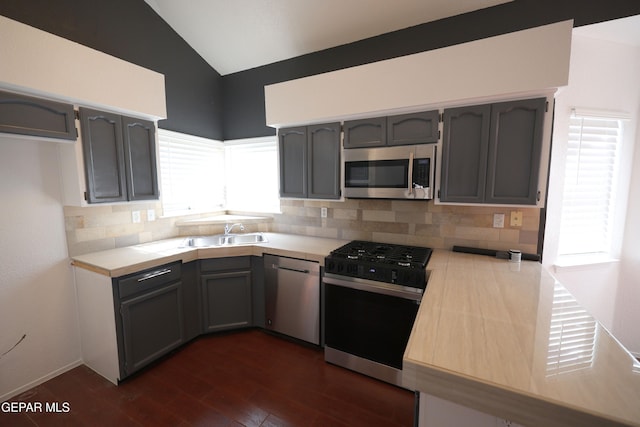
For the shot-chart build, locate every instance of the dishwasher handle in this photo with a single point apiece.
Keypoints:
(296, 270)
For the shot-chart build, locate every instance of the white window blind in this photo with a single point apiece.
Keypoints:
(590, 185)
(572, 335)
(252, 175)
(191, 173)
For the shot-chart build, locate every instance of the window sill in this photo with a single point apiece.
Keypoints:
(224, 219)
(584, 261)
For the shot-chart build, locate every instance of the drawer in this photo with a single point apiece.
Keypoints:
(148, 279)
(222, 264)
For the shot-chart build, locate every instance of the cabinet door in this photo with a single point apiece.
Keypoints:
(515, 146)
(191, 306)
(365, 133)
(464, 154)
(152, 325)
(140, 157)
(226, 300)
(293, 162)
(25, 115)
(324, 161)
(417, 128)
(104, 162)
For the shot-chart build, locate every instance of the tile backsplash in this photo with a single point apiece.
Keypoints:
(410, 222)
(96, 228)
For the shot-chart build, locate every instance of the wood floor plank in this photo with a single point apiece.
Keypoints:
(244, 378)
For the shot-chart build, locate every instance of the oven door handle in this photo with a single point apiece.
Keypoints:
(375, 287)
(410, 174)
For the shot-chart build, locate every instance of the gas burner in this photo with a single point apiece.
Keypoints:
(397, 264)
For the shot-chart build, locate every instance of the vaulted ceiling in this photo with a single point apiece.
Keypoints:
(236, 35)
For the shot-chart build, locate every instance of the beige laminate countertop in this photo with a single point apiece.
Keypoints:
(121, 261)
(508, 340)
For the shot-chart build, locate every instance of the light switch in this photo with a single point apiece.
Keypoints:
(135, 217)
(151, 215)
(516, 218)
(498, 220)
(323, 212)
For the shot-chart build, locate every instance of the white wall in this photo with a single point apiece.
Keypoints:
(627, 318)
(516, 65)
(37, 295)
(43, 64)
(603, 76)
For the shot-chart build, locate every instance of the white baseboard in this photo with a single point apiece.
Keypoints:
(40, 380)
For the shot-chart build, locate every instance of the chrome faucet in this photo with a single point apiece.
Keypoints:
(228, 228)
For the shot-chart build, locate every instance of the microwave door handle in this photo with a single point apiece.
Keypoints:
(410, 174)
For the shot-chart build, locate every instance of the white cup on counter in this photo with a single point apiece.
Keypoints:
(515, 255)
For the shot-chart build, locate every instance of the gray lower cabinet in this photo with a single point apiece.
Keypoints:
(310, 161)
(491, 153)
(25, 115)
(226, 288)
(149, 316)
(119, 156)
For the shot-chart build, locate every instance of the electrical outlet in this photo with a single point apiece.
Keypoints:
(323, 212)
(516, 219)
(135, 217)
(151, 215)
(498, 220)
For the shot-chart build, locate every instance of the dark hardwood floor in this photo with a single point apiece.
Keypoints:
(246, 378)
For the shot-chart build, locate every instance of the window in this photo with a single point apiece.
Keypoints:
(200, 175)
(191, 173)
(590, 185)
(252, 175)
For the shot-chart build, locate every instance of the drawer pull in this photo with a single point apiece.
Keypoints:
(154, 274)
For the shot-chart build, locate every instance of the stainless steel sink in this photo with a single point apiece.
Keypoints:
(245, 239)
(224, 240)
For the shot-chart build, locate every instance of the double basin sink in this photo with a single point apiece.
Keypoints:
(224, 240)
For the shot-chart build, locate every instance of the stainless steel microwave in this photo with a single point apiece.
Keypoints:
(398, 172)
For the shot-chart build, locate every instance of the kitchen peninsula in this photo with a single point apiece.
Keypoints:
(507, 339)
(491, 337)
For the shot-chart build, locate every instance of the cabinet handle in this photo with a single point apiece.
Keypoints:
(410, 177)
(154, 274)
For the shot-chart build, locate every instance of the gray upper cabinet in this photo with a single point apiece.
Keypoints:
(416, 128)
(491, 153)
(103, 148)
(25, 115)
(292, 147)
(324, 161)
(140, 158)
(310, 161)
(515, 146)
(464, 154)
(365, 133)
(404, 129)
(119, 156)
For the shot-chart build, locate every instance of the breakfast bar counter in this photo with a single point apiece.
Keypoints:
(507, 339)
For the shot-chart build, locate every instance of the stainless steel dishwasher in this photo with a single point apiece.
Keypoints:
(292, 297)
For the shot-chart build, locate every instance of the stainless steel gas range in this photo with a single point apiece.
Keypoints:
(372, 292)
